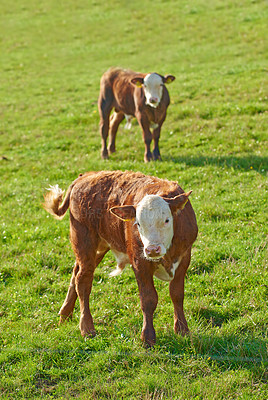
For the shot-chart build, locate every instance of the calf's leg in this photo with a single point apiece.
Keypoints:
(176, 290)
(148, 300)
(115, 120)
(83, 286)
(156, 136)
(85, 243)
(147, 136)
(105, 107)
(67, 308)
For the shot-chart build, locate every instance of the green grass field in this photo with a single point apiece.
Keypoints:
(213, 142)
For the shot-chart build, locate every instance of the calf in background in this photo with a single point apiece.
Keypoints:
(133, 94)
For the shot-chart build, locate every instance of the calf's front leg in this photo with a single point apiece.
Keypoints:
(148, 300)
(146, 133)
(156, 137)
(176, 290)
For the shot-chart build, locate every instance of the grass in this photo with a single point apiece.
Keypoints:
(214, 142)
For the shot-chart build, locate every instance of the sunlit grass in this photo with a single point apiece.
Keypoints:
(213, 142)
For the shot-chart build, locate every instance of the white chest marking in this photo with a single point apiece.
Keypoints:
(122, 260)
(162, 274)
(153, 125)
(128, 121)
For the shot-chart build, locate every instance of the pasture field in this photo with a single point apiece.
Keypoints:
(214, 142)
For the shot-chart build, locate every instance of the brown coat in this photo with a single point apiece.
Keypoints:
(99, 202)
(124, 90)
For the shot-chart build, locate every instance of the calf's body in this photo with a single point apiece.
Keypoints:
(145, 221)
(132, 94)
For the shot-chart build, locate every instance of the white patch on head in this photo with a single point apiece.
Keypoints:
(155, 225)
(153, 89)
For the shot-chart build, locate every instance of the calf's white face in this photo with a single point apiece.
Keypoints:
(155, 225)
(154, 219)
(152, 86)
(153, 89)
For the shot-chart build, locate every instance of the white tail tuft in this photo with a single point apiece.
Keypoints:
(53, 199)
(56, 191)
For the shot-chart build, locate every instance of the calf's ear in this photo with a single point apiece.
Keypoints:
(169, 78)
(178, 202)
(126, 213)
(138, 81)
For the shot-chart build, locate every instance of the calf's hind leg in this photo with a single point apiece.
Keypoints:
(67, 308)
(115, 121)
(105, 107)
(85, 244)
(83, 287)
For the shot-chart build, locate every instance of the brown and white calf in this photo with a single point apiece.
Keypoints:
(132, 94)
(145, 221)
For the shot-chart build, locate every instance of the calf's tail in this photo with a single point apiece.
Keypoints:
(53, 199)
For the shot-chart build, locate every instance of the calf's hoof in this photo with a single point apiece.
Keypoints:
(111, 150)
(148, 339)
(64, 318)
(181, 329)
(148, 157)
(157, 157)
(87, 328)
(89, 334)
(104, 155)
(148, 344)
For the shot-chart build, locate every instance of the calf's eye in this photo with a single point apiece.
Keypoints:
(167, 221)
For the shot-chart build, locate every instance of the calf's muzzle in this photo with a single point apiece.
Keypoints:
(153, 251)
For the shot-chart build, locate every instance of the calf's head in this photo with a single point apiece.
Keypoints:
(153, 87)
(154, 218)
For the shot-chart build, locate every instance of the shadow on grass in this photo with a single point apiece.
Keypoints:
(214, 317)
(226, 350)
(258, 163)
(208, 264)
